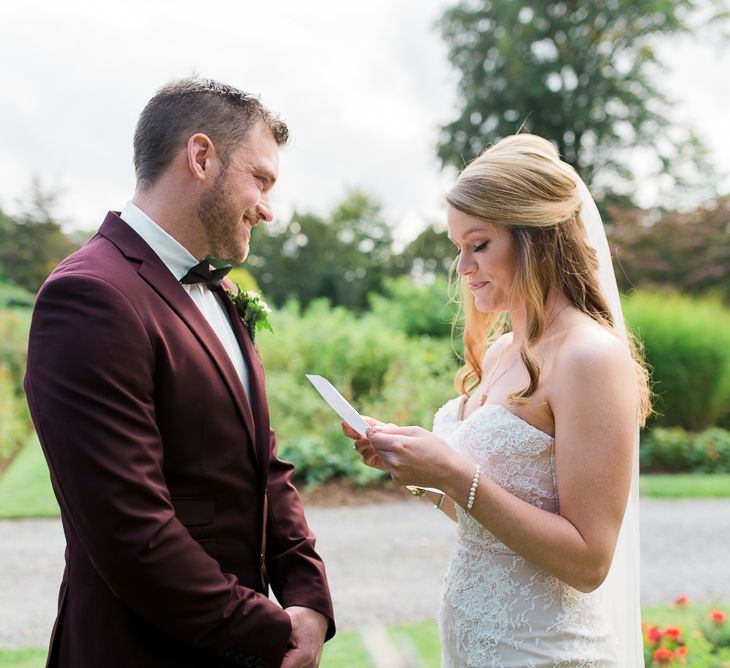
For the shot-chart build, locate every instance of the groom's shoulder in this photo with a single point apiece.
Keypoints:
(99, 267)
(112, 254)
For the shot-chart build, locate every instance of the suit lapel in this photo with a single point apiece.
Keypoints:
(258, 401)
(156, 274)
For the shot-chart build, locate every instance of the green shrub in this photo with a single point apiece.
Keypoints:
(383, 372)
(14, 417)
(687, 344)
(15, 422)
(13, 296)
(713, 451)
(415, 309)
(674, 450)
(667, 450)
(14, 327)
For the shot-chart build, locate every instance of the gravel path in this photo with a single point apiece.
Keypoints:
(385, 562)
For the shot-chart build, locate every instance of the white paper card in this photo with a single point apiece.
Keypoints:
(338, 403)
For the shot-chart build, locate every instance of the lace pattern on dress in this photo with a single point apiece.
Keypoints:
(497, 608)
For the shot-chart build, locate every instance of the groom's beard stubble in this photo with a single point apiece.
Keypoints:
(227, 229)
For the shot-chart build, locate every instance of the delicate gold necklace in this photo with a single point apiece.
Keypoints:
(492, 380)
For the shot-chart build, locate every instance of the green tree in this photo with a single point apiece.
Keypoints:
(342, 257)
(429, 255)
(33, 242)
(579, 72)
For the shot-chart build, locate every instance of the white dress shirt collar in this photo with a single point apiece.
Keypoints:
(175, 256)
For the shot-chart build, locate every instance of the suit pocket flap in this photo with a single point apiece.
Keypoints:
(194, 511)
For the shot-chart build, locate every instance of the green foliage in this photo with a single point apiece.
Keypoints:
(33, 243)
(429, 255)
(14, 418)
(13, 296)
(243, 277)
(581, 73)
(342, 257)
(415, 309)
(15, 421)
(687, 344)
(384, 373)
(671, 450)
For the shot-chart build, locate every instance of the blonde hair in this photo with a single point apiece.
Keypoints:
(521, 182)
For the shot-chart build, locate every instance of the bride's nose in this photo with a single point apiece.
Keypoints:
(465, 265)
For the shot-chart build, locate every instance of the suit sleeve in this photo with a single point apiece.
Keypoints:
(295, 569)
(90, 387)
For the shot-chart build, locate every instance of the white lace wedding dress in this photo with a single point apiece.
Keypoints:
(497, 609)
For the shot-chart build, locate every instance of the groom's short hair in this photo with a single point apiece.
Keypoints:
(181, 108)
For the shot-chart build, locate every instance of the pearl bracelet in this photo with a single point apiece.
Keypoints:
(473, 488)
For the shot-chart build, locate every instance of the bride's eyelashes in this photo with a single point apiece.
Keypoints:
(476, 249)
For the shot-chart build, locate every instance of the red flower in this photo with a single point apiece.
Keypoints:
(663, 657)
(681, 600)
(718, 617)
(681, 651)
(673, 632)
(653, 634)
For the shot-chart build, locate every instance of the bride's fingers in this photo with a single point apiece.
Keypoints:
(398, 431)
(383, 442)
(349, 431)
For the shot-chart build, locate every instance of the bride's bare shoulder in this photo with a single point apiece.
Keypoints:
(588, 349)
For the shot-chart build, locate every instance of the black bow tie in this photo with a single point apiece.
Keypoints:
(203, 272)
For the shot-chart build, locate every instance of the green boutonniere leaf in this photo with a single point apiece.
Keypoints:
(254, 311)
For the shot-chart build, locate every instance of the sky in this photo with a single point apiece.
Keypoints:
(363, 88)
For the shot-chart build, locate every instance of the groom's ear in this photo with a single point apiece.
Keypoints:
(201, 156)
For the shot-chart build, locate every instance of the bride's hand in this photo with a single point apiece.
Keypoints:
(412, 455)
(363, 445)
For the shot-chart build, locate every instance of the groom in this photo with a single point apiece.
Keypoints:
(148, 398)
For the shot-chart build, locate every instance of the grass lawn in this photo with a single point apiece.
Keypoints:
(419, 642)
(25, 488)
(685, 485)
(23, 658)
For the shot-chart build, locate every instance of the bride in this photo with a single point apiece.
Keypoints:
(537, 456)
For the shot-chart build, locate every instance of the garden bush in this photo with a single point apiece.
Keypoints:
(675, 450)
(14, 417)
(384, 373)
(13, 296)
(415, 309)
(687, 345)
(15, 422)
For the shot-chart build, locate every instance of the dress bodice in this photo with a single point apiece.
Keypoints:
(497, 608)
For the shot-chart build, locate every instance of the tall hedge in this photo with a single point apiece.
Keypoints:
(687, 344)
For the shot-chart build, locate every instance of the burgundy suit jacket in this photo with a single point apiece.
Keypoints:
(176, 510)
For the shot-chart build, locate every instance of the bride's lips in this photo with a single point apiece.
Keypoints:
(476, 286)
